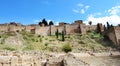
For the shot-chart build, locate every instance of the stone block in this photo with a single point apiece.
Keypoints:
(0, 64)
(6, 64)
(5, 59)
(14, 61)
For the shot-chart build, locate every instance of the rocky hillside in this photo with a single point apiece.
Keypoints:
(26, 41)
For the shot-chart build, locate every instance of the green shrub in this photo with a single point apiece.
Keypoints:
(95, 35)
(17, 31)
(33, 39)
(25, 37)
(36, 40)
(11, 33)
(29, 47)
(40, 39)
(30, 35)
(67, 48)
(89, 31)
(39, 35)
(46, 38)
(9, 48)
(46, 44)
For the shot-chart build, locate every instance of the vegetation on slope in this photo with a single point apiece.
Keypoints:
(92, 41)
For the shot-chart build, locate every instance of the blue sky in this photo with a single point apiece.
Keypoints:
(33, 11)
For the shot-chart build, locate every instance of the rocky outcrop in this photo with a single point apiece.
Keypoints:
(67, 60)
(70, 60)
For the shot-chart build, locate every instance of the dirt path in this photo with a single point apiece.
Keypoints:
(102, 61)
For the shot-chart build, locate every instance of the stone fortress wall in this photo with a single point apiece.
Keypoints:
(77, 27)
(113, 33)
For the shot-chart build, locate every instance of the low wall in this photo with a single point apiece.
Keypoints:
(16, 59)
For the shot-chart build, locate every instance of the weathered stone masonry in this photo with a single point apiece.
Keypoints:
(77, 27)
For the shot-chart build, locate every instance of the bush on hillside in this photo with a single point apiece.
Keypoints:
(67, 48)
(9, 48)
(95, 35)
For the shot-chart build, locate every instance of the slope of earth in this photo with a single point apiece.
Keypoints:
(26, 41)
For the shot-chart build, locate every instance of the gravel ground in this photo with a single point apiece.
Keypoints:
(102, 61)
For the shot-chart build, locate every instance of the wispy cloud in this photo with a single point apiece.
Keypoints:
(114, 10)
(80, 5)
(36, 21)
(75, 10)
(87, 6)
(57, 22)
(81, 8)
(82, 11)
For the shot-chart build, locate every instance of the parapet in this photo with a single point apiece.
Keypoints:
(78, 22)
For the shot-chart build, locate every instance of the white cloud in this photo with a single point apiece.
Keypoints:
(81, 8)
(82, 11)
(57, 22)
(95, 14)
(113, 19)
(80, 5)
(87, 6)
(114, 10)
(49, 20)
(37, 21)
(76, 11)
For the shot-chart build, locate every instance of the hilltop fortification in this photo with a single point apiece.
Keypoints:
(77, 27)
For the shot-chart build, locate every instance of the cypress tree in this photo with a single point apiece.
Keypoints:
(63, 38)
(51, 23)
(40, 23)
(90, 22)
(56, 33)
(108, 25)
(104, 28)
(44, 22)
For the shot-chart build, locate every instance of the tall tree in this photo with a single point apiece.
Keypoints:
(119, 25)
(104, 27)
(50, 30)
(111, 25)
(64, 29)
(56, 33)
(40, 23)
(90, 22)
(44, 22)
(51, 23)
(63, 37)
(108, 25)
(98, 28)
